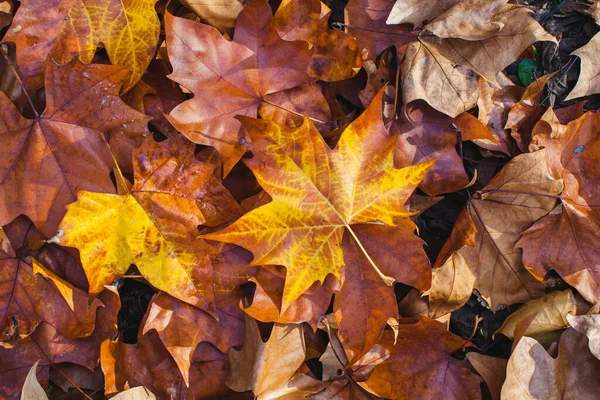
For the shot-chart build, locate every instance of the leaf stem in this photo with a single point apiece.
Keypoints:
(519, 192)
(296, 113)
(120, 173)
(389, 281)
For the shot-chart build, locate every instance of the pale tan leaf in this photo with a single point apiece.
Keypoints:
(32, 390)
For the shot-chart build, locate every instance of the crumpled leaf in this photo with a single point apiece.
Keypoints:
(64, 29)
(532, 373)
(318, 193)
(346, 380)
(155, 225)
(443, 70)
(524, 114)
(30, 294)
(566, 239)
(46, 160)
(494, 104)
(244, 74)
(420, 366)
(541, 316)
(335, 55)
(481, 252)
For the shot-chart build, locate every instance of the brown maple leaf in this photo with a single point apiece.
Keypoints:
(426, 134)
(566, 239)
(481, 252)
(30, 294)
(45, 161)
(533, 373)
(411, 362)
(248, 76)
(335, 55)
(147, 363)
(50, 348)
(181, 327)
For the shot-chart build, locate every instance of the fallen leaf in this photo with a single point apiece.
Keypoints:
(565, 240)
(532, 373)
(335, 55)
(46, 160)
(218, 13)
(302, 228)
(267, 301)
(588, 82)
(155, 225)
(364, 304)
(491, 369)
(32, 390)
(243, 74)
(28, 298)
(420, 366)
(265, 368)
(48, 346)
(426, 134)
(181, 327)
(494, 105)
(417, 13)
(367, 23)
(443, 70)
(481, 252)
(589, 325)
(64, 29)
(544, 315)
(149, 364)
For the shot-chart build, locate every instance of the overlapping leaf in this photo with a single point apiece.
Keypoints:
(566, 239)
(318, 193)
(46, 160)
(335, 55)
(64, 29)
(481, 252)
(254, 70)
(155, 225)
(30, 294)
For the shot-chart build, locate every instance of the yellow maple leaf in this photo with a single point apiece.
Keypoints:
(318, 193)
(128, 29)
(154, 226)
